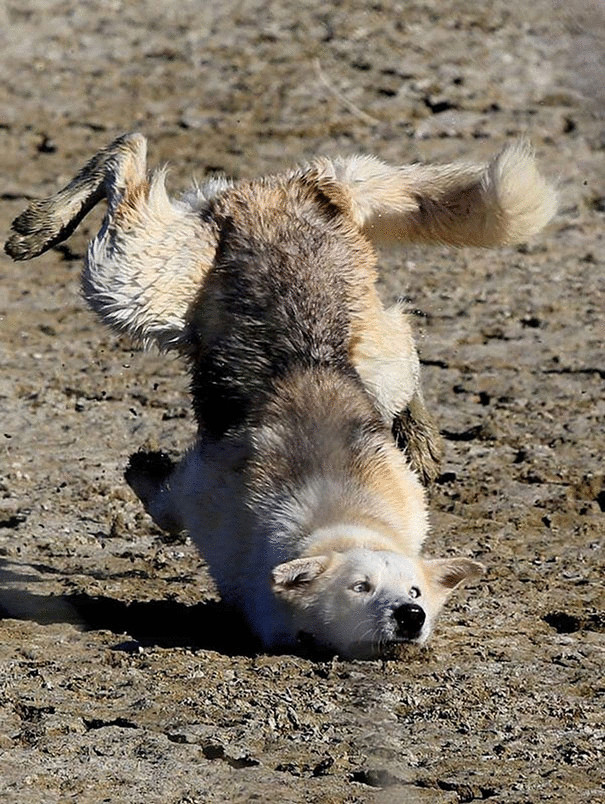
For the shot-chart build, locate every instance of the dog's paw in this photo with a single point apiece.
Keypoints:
(146, 472)
(35, 230)
(148, 475)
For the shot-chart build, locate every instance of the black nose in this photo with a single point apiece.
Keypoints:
(410, 619)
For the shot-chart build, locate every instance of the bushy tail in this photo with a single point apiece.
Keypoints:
(501, 203)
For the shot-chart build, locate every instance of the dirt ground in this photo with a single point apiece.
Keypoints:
(121, 677)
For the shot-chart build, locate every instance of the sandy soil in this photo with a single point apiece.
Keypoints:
(121, 678)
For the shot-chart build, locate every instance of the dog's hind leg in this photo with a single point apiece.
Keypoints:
(385, 357)
(461, 204)
(51, 220)
(145, 267)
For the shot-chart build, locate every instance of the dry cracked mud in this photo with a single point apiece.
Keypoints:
(121, 677)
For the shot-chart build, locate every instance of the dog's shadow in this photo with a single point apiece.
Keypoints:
(163, 623)
(211, 625)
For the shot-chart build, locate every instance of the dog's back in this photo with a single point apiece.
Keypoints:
(288, 281)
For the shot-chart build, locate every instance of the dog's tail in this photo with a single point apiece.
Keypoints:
(501, 203)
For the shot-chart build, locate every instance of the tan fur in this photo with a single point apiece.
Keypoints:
(384, 353)
(461, 204)
(304, 385)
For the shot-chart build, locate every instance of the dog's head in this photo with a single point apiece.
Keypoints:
(361, 601)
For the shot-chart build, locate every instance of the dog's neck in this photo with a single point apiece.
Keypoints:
(364, 532)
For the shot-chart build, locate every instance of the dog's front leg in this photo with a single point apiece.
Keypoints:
(148, 474)
(417, 435)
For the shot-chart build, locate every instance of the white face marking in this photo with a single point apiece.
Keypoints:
(368, 600)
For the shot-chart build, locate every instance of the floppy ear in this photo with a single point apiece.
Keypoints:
(448, 573)
(291, 580)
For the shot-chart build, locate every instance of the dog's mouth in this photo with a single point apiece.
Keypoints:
(384, 649)
(388, 648)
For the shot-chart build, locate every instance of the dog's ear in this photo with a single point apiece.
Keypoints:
(448, 573)
(292, 579)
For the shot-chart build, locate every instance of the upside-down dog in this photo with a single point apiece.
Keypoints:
(304, 386)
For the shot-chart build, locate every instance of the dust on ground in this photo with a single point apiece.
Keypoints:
(121, 677)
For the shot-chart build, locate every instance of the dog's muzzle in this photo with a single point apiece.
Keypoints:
(410, 619)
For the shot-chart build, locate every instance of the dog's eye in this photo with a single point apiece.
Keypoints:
(361, 587)
(414, 592)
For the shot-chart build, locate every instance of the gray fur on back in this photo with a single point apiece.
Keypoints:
(280, 296)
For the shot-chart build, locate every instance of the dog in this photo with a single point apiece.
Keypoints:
(304, 490)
